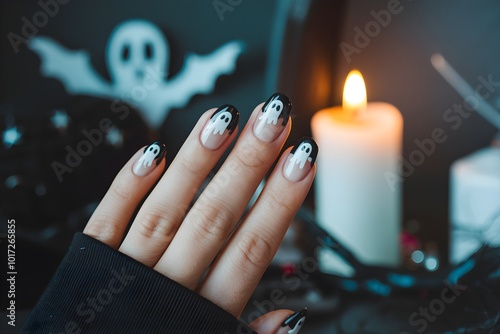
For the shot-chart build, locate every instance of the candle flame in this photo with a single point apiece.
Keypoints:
(354, 98)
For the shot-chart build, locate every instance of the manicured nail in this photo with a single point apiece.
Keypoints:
(272, 118)
(301, 159)
(150, 158)
(295, 321)
(219, 127)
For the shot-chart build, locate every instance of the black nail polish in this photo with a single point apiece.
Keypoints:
(306, 149)
(278, 106)
(157, 150)
(295, 321)
(225, 118)
(154, 152)
(301, 159)
(219, 127)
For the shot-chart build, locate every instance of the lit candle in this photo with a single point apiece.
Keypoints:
(357, 198)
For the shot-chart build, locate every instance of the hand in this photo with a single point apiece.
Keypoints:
(182, 244)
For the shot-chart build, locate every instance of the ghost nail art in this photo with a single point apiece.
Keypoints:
(272, 118)
(295, 321)
(301, 159)
(150, 158)
(219, 127)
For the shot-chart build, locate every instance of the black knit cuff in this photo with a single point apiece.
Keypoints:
(99, 290)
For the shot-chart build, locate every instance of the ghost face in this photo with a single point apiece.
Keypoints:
(301, 159)
(150, 153)
(219, 127)
(137, 53)
(302, 154)
(272, 112)
(153, 153)
(220, 122)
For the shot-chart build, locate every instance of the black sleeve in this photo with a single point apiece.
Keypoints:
(99, 290)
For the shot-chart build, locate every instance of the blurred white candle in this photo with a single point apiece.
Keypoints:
(474, 203)
(474, 180)
(360, 145)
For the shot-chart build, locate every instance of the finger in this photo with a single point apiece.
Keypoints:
(280, 322)
(214, 215)
(110, 219)
(254, 244)
(161, 214)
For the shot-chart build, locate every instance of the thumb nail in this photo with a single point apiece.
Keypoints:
(295, 322)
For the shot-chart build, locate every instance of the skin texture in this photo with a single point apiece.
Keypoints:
(163, 236)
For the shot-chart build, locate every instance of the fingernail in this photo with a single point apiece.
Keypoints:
(150, 158)
(295, 321)
(301, 159)
(272, 118)
(219, 127)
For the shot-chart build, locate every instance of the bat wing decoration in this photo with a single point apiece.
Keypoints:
(197, 76)
(72, 68)
(199, 73)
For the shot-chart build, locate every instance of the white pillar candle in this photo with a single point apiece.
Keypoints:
(355, 200)
(474, 203)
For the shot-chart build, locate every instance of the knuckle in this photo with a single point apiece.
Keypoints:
(121, 190)
(101, 229)
(213, 223)
(252, 158)
(191, 168)
(157, 226)
(255, 252)
(279, 204)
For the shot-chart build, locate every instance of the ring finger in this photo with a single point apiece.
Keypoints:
(253, 245)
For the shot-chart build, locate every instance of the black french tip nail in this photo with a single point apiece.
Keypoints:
(160, 148)
(308, 147)
(235, 116)
(296, 320)
(278, 103)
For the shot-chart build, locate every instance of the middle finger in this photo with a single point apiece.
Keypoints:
(216, 212)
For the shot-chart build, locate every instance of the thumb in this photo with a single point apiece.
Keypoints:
(280, 322)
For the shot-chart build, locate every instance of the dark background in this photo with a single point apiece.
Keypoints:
(291, 46)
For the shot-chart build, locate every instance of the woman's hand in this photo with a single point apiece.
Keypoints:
(182, 244)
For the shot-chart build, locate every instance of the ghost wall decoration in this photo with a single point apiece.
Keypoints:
(137, 58)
